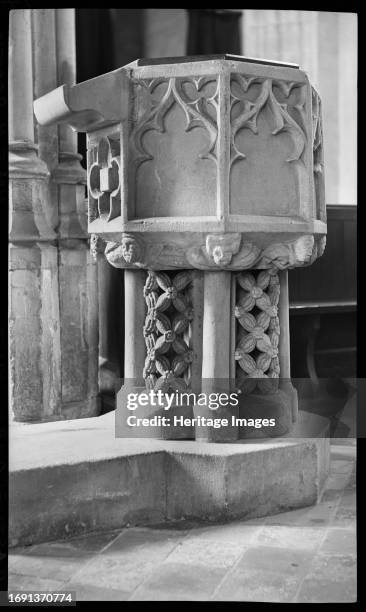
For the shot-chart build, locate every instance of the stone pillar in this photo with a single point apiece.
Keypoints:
(77, 268)
(111, 308)
(34, 342)
(45, 78)
(217, 354)
(284, 343)
(212, 166)
(135, 349)
(53, 285)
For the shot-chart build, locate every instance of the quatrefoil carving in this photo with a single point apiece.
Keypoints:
(104, 180)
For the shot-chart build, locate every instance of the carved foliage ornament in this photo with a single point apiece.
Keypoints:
(258, 337)
(169, 313)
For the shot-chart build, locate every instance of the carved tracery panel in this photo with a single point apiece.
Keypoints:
(174, 133)
(282, 112)
(268, 137)
(200, 110)
(104, 179)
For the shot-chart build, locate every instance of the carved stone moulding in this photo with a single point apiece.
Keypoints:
(220, 145)
(231, 251)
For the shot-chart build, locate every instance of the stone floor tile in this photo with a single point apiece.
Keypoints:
(236, 532)
(345, 516)
(58, 560)
(117, 572)
(183, 525)
(19, 582)
(93, 542)
(320, 514)
(332, 579)
(92, 593)
(72, 547)
(130, 558)
(352, 480)
(291, 537)
(180, 582)
(282, 560)
(265, 574)
(350, 486)
(50, 561)
(338, 481)
(331, 496)
(348, 499)
(200, 551)
(256, 585)
(151, 543)
(338, 466)
(339, 541)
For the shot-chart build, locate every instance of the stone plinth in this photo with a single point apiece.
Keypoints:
(205, 179)
(92, 481)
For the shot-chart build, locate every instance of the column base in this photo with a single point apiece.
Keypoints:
(278, 408)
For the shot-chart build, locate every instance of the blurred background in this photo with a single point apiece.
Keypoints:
(324, 44)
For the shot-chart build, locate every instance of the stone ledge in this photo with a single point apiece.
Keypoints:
(76, 477)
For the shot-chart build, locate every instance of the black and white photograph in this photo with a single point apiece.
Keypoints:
(182, 281)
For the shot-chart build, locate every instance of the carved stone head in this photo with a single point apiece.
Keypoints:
(132, 250)
(221, 248)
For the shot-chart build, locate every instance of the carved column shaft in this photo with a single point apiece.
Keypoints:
(53, 286)
(217, 352)
(111, 333)
(135, 350)
(284, 342)
(34, 347)
(284, 322)
(20, 81)
(66, 69)
(77, 267)
(45, 77)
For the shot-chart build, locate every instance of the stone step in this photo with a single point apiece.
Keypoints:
(71, 477)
